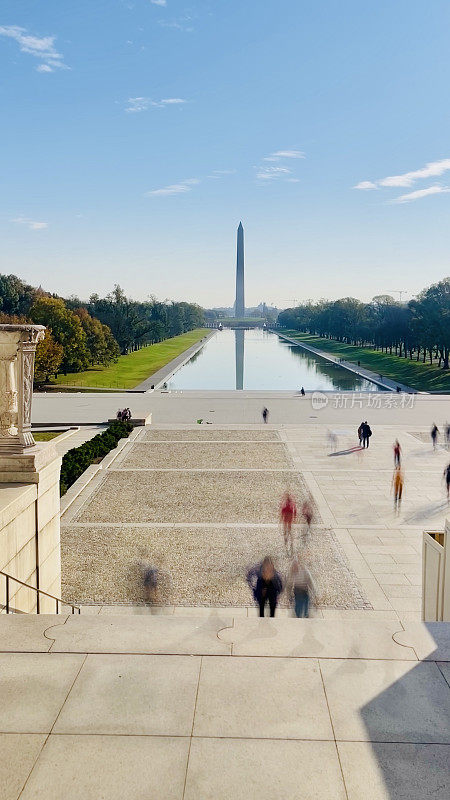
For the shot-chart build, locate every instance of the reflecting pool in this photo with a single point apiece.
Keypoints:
(256, 359)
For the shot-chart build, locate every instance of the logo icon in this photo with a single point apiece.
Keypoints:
(318, 400)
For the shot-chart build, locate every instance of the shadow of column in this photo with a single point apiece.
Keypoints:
(408, 730)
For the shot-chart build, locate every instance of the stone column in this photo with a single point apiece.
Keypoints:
(29, 480)
(17, 351)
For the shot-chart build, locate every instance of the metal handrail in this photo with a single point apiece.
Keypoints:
(58, 600)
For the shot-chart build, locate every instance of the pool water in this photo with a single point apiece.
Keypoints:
(257, 359)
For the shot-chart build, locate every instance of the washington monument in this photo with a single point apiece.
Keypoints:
(239, 312)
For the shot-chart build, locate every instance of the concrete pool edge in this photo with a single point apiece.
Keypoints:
(166, 372)
(362, 372)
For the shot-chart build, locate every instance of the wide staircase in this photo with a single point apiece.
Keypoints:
(134, 701)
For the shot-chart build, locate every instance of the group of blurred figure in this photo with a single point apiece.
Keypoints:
(267, 584)
(398, 478)
(123, 415)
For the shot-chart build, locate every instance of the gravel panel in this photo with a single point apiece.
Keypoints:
(190, 497)
(197, 566)
(206, 434)
(204, 455)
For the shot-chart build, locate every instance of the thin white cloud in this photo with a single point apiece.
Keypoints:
(137, 104)
(42, 47)
(419, 193)
(181, 24)
(271, 173)
(280, 172)
(431, 170)
(365, 185)
(31, 224)
(174, 188)
(172, 101)
(279, 154)
(158, 2)
(219, 173)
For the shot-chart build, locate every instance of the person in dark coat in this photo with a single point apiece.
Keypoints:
(360, 433)
(266, 585)
(366, 433)
(434, 434)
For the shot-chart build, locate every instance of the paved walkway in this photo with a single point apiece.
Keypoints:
(77, 438)
(352, 488)
(244, 407)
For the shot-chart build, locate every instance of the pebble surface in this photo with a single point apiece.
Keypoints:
(217, 524)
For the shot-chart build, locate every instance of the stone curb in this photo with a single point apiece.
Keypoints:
(367, 374)
(162, 375)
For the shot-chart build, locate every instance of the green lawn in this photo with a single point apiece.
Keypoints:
(45, 436)
(134, 368)
(423, 377)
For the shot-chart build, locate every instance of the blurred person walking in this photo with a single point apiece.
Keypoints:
(150, 579)
(397, 486)
(300, 588)
(434, 434)
(447, 433)
(265, 415)
(307, 516)
(288, 515)
(266, 585)
(447, 480)
(397, 453)
(332, 441)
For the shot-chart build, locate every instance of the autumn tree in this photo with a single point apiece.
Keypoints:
(66, 330)
(49, 355)
(101, 345)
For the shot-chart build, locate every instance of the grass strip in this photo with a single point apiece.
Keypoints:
(132, 369)
(46, 436)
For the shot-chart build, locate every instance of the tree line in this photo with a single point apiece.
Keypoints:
(135, 323)
(81, 334)
(419, 329)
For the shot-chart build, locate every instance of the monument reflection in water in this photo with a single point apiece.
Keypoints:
(256, 359)
(239, 351)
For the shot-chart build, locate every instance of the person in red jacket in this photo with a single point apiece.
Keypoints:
(397, 453)
(288, 515)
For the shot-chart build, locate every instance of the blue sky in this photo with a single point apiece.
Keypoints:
(136, 134)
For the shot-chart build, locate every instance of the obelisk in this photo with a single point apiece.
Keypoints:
(239, 312)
